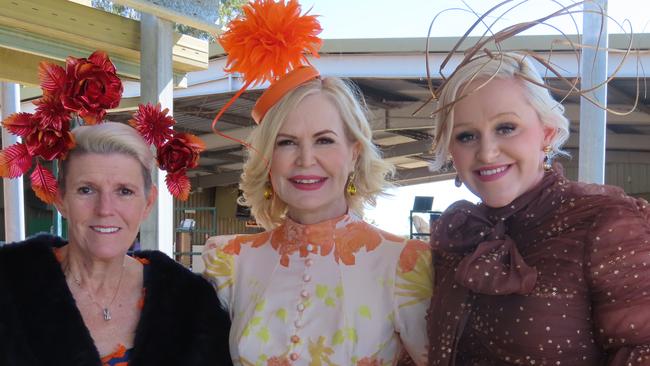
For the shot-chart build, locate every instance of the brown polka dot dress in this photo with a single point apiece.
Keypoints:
(559, 277)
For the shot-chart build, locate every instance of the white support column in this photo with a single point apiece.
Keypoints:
(14, 198)
(156, 86)
(593, 119)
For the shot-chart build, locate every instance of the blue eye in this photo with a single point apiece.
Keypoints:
(325, 140)
(285, 142)
(506, 128)
(465, 137)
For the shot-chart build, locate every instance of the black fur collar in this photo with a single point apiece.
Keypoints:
(181, 322)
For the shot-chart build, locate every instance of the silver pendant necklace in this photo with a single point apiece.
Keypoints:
(106, 312)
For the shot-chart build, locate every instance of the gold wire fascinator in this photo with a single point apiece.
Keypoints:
(492, 44)
(270, 43)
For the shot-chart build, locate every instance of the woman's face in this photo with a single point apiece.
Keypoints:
(312, 160)
(497, 142)
(104, 202)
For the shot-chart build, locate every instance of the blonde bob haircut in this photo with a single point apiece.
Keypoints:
(506, 65)
(370, 174)
(110, 138)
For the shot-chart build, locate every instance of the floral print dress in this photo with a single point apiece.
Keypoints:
(340, 292)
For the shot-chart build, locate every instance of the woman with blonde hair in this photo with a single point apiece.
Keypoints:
(544, 271)
(320, 286)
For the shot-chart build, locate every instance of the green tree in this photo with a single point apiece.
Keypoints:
(226, 11)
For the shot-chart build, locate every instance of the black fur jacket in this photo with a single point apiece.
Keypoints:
(181, 322)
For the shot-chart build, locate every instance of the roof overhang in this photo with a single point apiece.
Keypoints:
(32, 31)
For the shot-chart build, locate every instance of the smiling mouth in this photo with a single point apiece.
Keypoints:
(493, 173)
(308, 181)
(105, 229)
(489, 172)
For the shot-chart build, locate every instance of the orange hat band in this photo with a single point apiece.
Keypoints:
(280, 88)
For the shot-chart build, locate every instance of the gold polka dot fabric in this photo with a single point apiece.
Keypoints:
(559, 277)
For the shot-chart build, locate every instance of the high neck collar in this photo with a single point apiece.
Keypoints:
(541, 199)
(482, 239)
(307, 237)
(342, 236)
(316, 230)
(464, 225)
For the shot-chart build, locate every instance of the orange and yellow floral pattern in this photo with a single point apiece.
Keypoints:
(340, 292)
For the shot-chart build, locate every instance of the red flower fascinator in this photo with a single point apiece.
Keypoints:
(176, 152)
(270, 42)
(85, 88)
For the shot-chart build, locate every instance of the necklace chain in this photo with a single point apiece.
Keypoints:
(106, 312)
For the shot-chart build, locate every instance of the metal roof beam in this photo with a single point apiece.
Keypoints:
(617, 142)
(218, 179)
(406, 149)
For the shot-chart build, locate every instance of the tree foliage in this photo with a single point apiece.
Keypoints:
(227, 10)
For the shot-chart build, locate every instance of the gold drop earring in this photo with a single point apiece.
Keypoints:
(351, 188)
(268, 191)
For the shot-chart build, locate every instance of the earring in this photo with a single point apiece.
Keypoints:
(351, 188)
(457, 181)
(547, 157)
(268, 191)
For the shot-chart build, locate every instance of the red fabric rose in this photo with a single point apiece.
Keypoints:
(49, 143)
(91, 87)
(180, 153)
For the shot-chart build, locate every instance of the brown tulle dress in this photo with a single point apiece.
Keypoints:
(559, 277)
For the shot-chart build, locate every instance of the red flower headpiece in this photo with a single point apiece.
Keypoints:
(269, 41)
(86, 88)
(176, 152)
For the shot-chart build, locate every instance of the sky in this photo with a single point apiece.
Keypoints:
(411, 18)
(342, 19)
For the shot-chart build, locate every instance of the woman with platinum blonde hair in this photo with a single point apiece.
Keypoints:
(505, 65)
(544, 271)
(320, 286)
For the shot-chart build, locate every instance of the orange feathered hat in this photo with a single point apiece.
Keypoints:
(270, 42)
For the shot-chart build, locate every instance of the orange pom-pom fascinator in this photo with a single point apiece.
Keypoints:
(270, 42)
(85, 88)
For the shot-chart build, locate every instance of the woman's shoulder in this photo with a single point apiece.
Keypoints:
(402, 244)
(604, 197)
(39, 243)
(164, 269)
(232, 243)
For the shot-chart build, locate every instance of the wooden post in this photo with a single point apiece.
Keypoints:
(156, 86)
